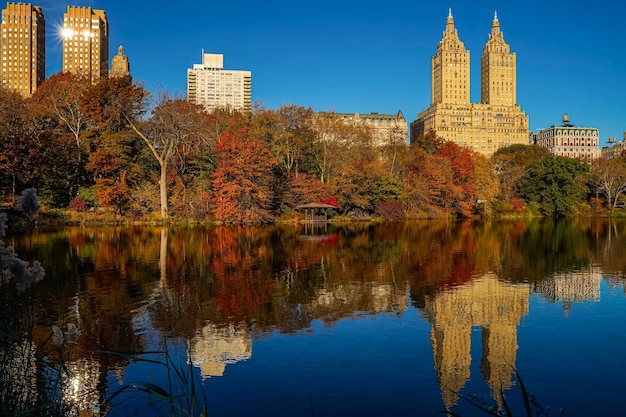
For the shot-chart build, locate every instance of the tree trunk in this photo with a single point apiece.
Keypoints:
(163, 188)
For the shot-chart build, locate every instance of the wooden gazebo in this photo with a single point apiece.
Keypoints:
(312, 211)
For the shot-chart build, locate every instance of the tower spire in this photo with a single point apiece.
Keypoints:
(495, 25)
(450, 21)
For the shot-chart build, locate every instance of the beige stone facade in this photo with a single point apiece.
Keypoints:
(385, 128)
(570, 141)
(497, 121)
(120, 66)
(211, 85)
(613, 148)
(86, 42)
(22, 48)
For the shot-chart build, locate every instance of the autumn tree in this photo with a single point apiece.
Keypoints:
(510, 164)
(242, 180)
(393, 146)
(363, 183)
(63, 122)
(429, 142)
(608, 178)
(304, 188)
(175, 127)
(114, 150)
(331, 141)
(18, 158)
(425, 179)
(461, 195)
(486, 182)
(287, 132)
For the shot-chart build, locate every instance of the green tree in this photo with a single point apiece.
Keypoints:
(556, 184)
(510, 164)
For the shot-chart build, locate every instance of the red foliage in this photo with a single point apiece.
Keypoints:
(330, 200)
(462, 164)
(304, 188)
(331, 240)
(79, 204)
(518, 205)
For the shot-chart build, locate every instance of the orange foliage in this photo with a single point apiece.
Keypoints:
(241, 181)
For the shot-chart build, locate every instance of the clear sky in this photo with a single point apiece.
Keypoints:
(373, 56)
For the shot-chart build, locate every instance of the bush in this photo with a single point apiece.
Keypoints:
(390, 210)
(79, 204)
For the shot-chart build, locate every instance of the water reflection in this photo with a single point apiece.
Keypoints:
(568, 288)
(215, 347)
(494, 306)
(217, 289)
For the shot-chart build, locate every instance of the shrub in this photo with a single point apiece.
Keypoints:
(390, 210)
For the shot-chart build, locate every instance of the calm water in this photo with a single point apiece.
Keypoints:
(401, 320)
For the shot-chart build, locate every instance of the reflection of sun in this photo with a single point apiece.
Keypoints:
(80, 391)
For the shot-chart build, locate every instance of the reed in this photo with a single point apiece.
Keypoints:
(531, 407)
(180, 393)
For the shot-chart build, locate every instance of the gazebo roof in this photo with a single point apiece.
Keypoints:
(315, 205)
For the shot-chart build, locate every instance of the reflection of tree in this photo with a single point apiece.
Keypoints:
(107, 280)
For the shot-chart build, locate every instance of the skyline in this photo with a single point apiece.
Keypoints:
(353, 57)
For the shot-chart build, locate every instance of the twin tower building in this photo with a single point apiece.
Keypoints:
(85, 35)
(497, 121)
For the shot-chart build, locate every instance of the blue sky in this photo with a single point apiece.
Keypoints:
(361, 56)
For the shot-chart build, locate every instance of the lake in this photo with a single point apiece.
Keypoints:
(406, 319)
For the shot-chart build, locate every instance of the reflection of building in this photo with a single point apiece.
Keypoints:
(373, 298)
(614, 149)
(497, 308)
(385, 128)
(496, 121)
(571, 287)
(570, 141)
(120, 66)
(86, 42)
(215, 347)
(212, 86)
(22, 48)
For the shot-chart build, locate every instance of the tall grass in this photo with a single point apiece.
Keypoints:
(179, 394)
(531, 407)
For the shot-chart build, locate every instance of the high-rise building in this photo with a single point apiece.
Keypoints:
(23, 47)
(497, 121)
(120, 66)
(211, 85)
(86, 42)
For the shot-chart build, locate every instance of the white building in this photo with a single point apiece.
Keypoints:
(211, 85)
(570, 141)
